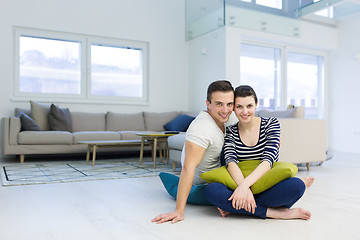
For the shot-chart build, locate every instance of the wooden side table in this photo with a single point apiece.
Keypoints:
(156, 138)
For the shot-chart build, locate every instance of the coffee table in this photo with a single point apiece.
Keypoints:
(109, 143)
(154, 138)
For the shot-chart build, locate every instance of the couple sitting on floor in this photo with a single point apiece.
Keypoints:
(251, 138)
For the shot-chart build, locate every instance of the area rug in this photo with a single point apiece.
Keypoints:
(40, 172)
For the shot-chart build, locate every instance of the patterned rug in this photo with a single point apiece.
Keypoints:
(41, 172)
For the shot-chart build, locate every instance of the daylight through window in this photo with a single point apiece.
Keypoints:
(74, 66)
(282, 77)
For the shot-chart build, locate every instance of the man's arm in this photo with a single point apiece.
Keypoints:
(193, 156)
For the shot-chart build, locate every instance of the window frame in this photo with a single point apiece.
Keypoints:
(85, 42)
(283, 82)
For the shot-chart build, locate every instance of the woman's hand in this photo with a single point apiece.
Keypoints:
(243, 198)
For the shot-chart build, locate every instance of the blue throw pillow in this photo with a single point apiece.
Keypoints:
(196, 195)
(180, 123)
(27, 123)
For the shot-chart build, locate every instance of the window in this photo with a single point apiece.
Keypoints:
(304, 81)
(276, 4)
(326, 12)
(116, 71)
(282, 77)
(77, 67)
(270, 3)
(260, 67)
(49, 66)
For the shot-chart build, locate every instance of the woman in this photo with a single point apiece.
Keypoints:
(255, 138)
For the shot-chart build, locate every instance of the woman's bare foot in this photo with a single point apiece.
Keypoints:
(223, 213)
(285, 213)
(308, 181)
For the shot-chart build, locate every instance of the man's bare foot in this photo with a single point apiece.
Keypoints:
(285, 213)
(308, 181)
(223, 213)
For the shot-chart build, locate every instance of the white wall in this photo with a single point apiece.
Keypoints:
(207, 64)
(344, 88)
(161, 23)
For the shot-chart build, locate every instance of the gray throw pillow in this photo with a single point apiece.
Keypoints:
(39, 113)
(60, 119)
(27, 124)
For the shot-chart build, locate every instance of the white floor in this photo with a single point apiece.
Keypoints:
(122, 209)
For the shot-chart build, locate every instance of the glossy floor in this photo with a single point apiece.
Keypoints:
(122, 209)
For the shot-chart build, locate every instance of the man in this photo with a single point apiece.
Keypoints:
(204, 141)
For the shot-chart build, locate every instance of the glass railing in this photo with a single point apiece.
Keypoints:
(259, 21)
(205, 16)
(332, 8)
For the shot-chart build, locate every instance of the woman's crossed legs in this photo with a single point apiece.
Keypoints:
(272, 203)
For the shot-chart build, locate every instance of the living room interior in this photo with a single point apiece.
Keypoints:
(183, 56)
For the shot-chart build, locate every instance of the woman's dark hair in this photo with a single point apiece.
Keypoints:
(245, 91)
(219, 86)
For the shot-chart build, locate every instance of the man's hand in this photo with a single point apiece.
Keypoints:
(174, 217)
(193, 156)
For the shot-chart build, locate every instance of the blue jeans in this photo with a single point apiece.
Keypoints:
(284, 194)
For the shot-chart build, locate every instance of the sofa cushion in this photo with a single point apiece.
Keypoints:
(82, 121)
(59, 119)
(179, 123)
(156, 121)
(96, 135)
(124, 122)
(39, 113)
(177, 141)
(280, 171)
(45, 138)
(27, 124)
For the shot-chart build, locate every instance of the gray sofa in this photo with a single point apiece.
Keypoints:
(85, 127)
(302, 140)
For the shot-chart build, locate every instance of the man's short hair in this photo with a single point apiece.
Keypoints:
(219, 86)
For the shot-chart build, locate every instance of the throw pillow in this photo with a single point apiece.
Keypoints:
(60, 119)
(39, 113)
(280, 171)
(180, 123)
(196, 195)
(27, 124)
(155, 121)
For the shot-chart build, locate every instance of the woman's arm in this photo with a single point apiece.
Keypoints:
(258, 172)
(229, 145)
(272, 138)
(235, 173)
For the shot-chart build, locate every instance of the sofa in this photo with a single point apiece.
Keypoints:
(47, 136)
(302, 141)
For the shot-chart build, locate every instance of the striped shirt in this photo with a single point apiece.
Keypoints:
(266, 149)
